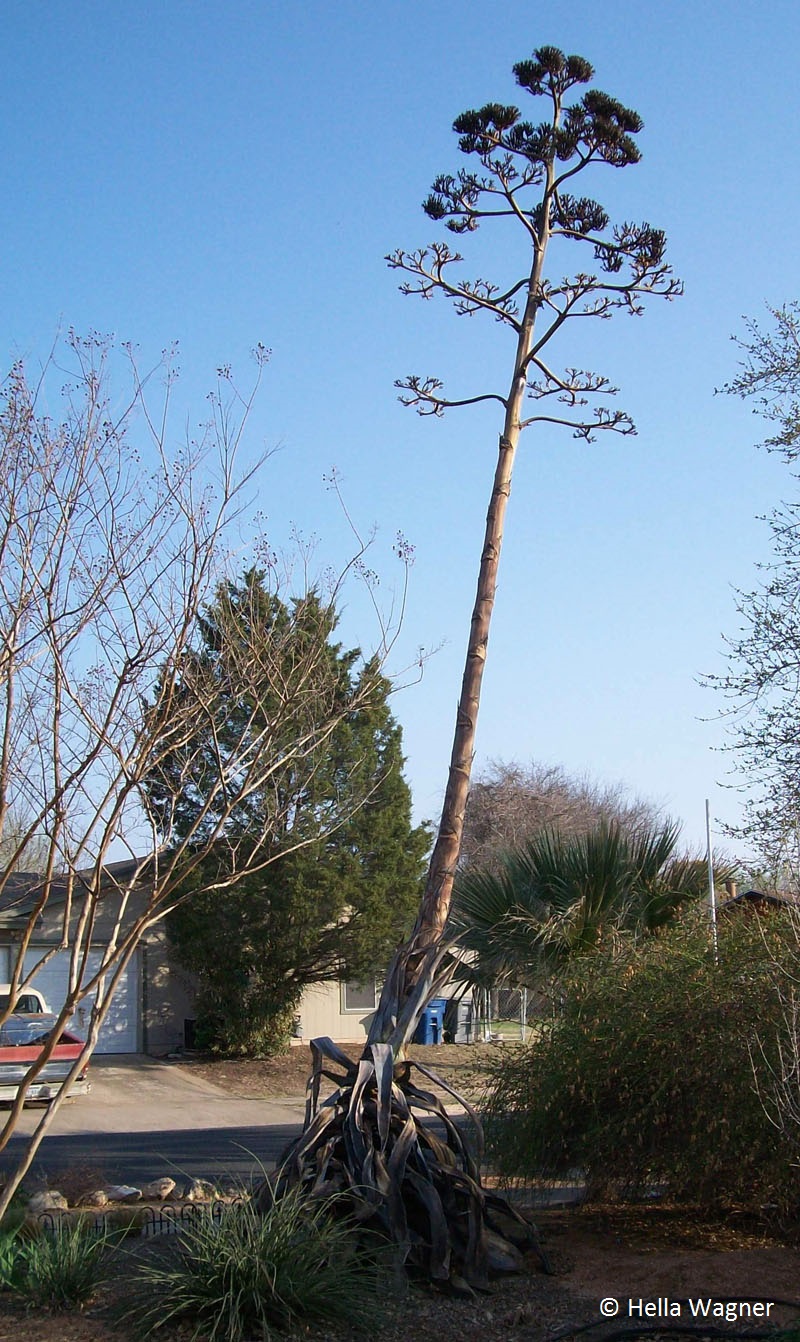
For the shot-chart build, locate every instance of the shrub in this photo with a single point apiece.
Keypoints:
(239, 1026)
(59, 1269)
(650, 1074)
(16, 1212)
(252, 1272)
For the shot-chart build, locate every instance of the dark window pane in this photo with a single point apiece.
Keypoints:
(359, 996)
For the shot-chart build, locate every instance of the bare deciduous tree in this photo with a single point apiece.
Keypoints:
(510, 803)
(524, 177)
(762, 682)
(34, 851)
(112, 546)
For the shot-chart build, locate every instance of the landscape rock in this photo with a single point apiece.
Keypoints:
(159, 1189)
(521, 1234)
(458, 1286)
(230, 1186)
(123, 1193)
(49, 1200)
(97, 1198)
(200, 1190)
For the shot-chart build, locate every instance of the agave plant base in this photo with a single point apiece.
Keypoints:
(372, 1143)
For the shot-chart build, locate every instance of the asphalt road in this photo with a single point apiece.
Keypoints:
(136, 1158)
(144, 1119)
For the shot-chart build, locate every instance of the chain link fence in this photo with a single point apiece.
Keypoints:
(495, 1015)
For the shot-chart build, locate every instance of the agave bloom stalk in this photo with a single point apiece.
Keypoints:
(523, 175)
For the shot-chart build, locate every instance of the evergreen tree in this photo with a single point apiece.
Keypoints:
(339, 864)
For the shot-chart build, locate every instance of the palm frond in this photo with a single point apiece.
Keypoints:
(555, 896)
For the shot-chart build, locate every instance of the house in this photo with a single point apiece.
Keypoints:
(153, 1007)
(758, 901)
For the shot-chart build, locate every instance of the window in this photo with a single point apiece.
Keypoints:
(359, 996)
(28, 1004)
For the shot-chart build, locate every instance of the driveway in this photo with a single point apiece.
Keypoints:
(133, 1093)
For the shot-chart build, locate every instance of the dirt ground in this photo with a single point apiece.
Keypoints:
(624, 1253)
(462, 1066)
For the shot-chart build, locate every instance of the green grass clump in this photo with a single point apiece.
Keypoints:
(251, 1273)
(60, 1269)
(9, 1250)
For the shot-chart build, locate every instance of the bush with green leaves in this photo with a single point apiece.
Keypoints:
(59, 1269)
(654, 1068)
(15, 1214)
(328, 862)
(252, 1273)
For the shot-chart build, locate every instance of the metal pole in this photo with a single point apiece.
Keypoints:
(524, 1020)
(712, 897)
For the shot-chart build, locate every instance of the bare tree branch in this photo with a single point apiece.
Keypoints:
(111, 547)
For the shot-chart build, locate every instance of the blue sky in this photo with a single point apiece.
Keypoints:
(223, 174)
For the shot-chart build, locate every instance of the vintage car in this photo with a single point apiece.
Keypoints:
(29, 1002)
(22, 1036)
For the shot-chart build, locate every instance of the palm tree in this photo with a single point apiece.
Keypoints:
(556, 895)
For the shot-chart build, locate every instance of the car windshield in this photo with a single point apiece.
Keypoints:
(28, 1004)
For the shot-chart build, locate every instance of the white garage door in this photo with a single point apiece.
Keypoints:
(119, 1032)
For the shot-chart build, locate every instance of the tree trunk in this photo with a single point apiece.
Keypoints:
(371, 1139)
(438, 889)
(410, 976)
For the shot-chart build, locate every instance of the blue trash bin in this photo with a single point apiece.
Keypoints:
(431, 1025)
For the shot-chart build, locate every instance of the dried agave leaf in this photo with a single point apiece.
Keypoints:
(460, 1099)
(443, 1153)
(304, 1143)
(372, 1141)
(383, 1062)
(332, 1051)
(439, 1243)
(401, 1150)
(354, 1119)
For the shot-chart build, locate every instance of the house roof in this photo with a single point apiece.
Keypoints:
(23, 889)
(751, 897)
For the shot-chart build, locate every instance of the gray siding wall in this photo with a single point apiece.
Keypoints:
(166, 992)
